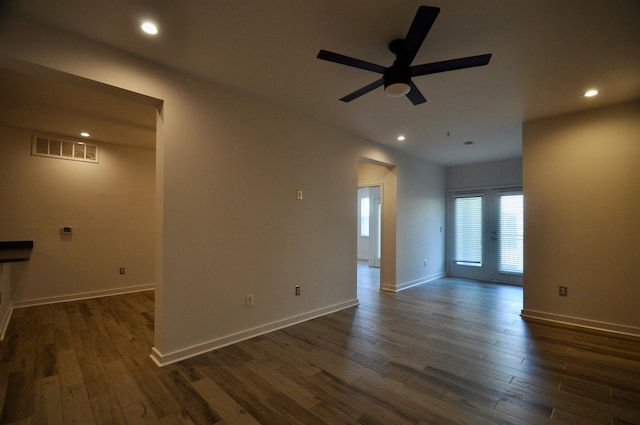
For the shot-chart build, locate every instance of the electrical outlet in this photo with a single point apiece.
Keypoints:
(248, 300)
(121, 270)
(562, 291)
(297, 290)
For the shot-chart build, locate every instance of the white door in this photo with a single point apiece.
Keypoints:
(364, 244)
(369, 224)
(375, 227)
(486, 235)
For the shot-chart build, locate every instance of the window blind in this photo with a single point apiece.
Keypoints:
(468, 231)
(511, 234)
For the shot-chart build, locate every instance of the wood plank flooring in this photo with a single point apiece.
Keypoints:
(448, 352)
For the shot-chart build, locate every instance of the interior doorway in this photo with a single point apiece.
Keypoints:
(376, 232)
(123, 126)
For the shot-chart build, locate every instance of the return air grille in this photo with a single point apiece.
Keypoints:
(64, 149)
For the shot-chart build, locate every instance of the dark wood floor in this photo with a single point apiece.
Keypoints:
(451, 351)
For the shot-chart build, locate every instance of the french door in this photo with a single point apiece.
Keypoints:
(486, 235)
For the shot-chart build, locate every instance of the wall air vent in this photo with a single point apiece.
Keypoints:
(64, 149)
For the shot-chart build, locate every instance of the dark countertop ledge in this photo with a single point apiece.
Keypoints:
(15, 251)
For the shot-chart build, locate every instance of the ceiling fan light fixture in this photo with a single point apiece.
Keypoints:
(397, 81)
(591, 93)
(149, 28)
(397, 89)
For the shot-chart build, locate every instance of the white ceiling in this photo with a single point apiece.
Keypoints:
(546, 53)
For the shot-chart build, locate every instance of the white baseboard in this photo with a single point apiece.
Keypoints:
(164, 359)
(83, 295)
(580, 322)
(411, 284)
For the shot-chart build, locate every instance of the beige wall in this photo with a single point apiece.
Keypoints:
(110, 206)
(582, 197)
(227, 170)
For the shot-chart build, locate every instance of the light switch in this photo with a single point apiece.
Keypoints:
(299, 194)
(66, 230)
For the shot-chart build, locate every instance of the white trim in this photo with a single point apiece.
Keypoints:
(580, 322)
(4, 323)
(387, 287)
(165, 359)
(411, 284)
(84, 295)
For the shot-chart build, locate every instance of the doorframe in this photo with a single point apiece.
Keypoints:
(385, 175)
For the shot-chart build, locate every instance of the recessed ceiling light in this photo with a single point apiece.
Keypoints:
(85, 134)
(401, 138)
(149, 28)
(591, 93)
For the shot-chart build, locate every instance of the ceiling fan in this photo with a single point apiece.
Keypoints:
(397, 78)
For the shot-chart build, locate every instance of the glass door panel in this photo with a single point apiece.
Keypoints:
(468, 244)
(508, 236)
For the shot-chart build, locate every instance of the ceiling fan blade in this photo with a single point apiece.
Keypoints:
(349, 61)
(415, 96)
(364, 90)
(422, 22)
(450, 65)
